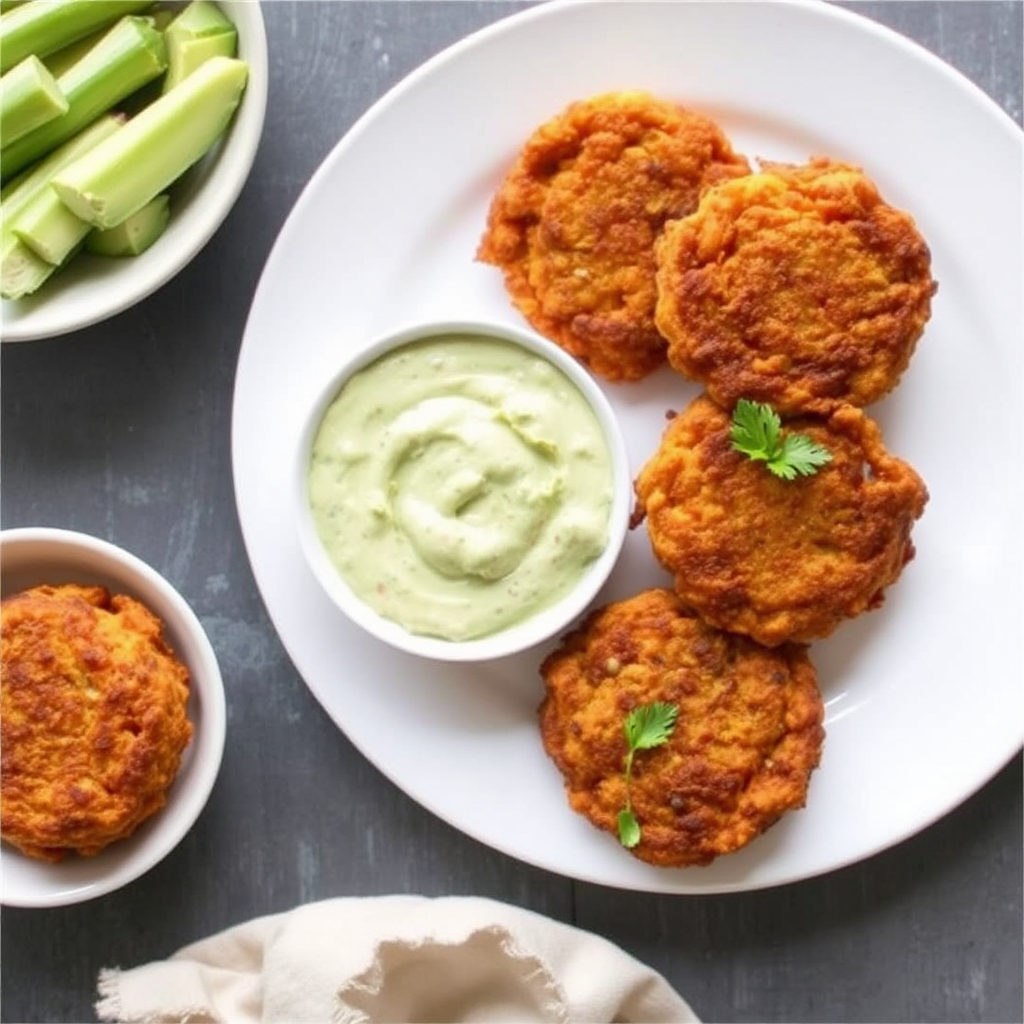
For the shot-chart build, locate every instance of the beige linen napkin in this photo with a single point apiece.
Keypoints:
(394, 959)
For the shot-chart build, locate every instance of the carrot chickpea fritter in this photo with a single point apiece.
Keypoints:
(797, 286)
(93, 719)
(775, 559)
(574, 222)
(748, 735)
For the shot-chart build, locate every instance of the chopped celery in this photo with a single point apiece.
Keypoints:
(129, 55)
(62, 60)
(43, 26)
(199, 19)
(155, 147)
(199, 32)
(133, 235)
(21, 269)
(48, 227)
(29, 97)
(21, 190)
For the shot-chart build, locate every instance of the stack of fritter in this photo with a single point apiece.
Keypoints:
(574, 223)
(629, 232)
(93, 722)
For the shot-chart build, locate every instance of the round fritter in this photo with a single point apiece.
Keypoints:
(574, 222)
(748, 734)
(797, 286)
(93, 718)
(778, 559)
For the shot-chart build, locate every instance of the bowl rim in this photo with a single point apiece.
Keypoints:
(535, 630)
(85, 558)
(234, 156)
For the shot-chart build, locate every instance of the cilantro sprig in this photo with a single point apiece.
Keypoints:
(757, 432)
(646, 726)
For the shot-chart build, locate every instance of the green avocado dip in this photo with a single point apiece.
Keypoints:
(460, 484)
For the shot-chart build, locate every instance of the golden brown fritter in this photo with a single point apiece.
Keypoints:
(797, 286)
(776, 559)
(573, 224)
(93, 718)
(748, 735)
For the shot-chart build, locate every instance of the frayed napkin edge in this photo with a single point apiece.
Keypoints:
(109, 1007)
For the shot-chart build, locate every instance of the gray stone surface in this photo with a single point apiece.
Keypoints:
(123, 431)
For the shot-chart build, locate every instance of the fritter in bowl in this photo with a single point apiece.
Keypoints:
(778, 560)
(747, 738)
(798, 286)
(93, 722)
(574, 222)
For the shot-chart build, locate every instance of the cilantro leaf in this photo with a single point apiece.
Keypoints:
(646, 726)
(650, 725)
(629, 828)
(756, 431)
(800, 455)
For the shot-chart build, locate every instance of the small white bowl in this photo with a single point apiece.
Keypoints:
(94, 288)
(34, 556)
(539, 626)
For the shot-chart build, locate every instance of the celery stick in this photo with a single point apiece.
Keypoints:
(199, 19)
(199, 32)
(62, 60)
(184, 56)
(22, 271)
(155, 147)
(132, 236)
(43, 26)
(129, 55)
(22, 189)
(48, 227)
(29, 97)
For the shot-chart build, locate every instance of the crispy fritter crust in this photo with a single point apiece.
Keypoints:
(797, 286)
(93, 719)
(775, 559)
(573, 224)
(748, 736)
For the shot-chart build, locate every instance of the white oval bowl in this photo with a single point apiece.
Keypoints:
(537, 628)
(91, 288)
(33, 556)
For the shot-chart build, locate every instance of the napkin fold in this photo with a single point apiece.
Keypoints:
(394, 959)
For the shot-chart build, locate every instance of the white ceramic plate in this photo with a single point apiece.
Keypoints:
(923, 696)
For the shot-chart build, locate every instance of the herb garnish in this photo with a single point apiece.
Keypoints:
(757, 432)
(647, 726)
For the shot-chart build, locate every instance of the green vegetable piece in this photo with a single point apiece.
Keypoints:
(756, 431)
(44, 26)
(200, 32)
(185, 56)
(129, 55)
(29, 97)
(645, 727)
(49, 228)
(629, 828)
(132, 236)
(22, 271)
(66, 56)
(156, 146)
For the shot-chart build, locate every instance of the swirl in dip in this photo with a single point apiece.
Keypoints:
(460, 484)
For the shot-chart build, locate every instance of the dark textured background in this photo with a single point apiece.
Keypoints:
(123, 432)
